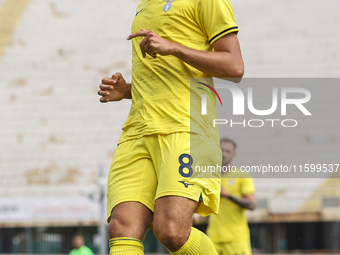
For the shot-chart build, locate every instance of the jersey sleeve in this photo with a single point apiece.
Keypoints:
(216, 18)
(247, 186)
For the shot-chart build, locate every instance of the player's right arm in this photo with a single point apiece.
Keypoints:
(114, 89)
(248, 201)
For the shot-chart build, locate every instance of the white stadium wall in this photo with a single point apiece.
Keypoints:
(54, 133)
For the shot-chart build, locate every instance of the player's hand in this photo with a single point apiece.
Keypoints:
(112, 89)
(153, 43)
(224, 192)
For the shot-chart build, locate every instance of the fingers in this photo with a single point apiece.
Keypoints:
(109, 81)
(142, 33)
(147, 47)
(105, 94)
(116, 77)
(105, 88)
(144, 44)
(104, 99)
(150, 49)
(113, 80)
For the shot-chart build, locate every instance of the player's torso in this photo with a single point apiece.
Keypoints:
(174, 21)
(232, 185)
(161, 94)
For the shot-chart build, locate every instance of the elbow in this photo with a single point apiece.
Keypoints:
(252, 207)
(238, 73)
(233, 74)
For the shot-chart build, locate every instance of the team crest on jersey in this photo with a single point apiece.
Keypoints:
(168, 4)
(231, 182)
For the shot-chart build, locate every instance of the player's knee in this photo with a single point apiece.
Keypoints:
(170, 235)
(119, 227)
(116, 226)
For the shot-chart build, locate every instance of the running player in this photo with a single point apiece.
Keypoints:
(229, 229)
(151, 177)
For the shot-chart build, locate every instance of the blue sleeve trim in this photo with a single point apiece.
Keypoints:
(223, 32)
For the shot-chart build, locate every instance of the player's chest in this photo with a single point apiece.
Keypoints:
(232, 185)
(157, 14)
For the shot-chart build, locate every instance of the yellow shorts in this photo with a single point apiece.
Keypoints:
(233, 248)
(155, 166)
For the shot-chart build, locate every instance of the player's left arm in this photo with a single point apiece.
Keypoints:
(248, 201)
(225, 62)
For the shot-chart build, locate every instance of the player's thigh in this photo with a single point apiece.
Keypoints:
(132, 177)
(237, 248)
(179, 157)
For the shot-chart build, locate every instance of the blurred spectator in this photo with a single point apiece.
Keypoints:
(79, 246)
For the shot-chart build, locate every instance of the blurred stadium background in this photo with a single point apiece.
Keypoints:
(57, 140)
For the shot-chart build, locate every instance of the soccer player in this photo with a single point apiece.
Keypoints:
(79, 246)
(229, 229)
(152, 177)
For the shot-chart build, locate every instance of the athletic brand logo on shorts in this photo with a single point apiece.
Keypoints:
(168, 4)
(204, 96)
(186, 184)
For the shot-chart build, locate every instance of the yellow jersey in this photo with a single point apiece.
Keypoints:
(230, 225)
(162, 101)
